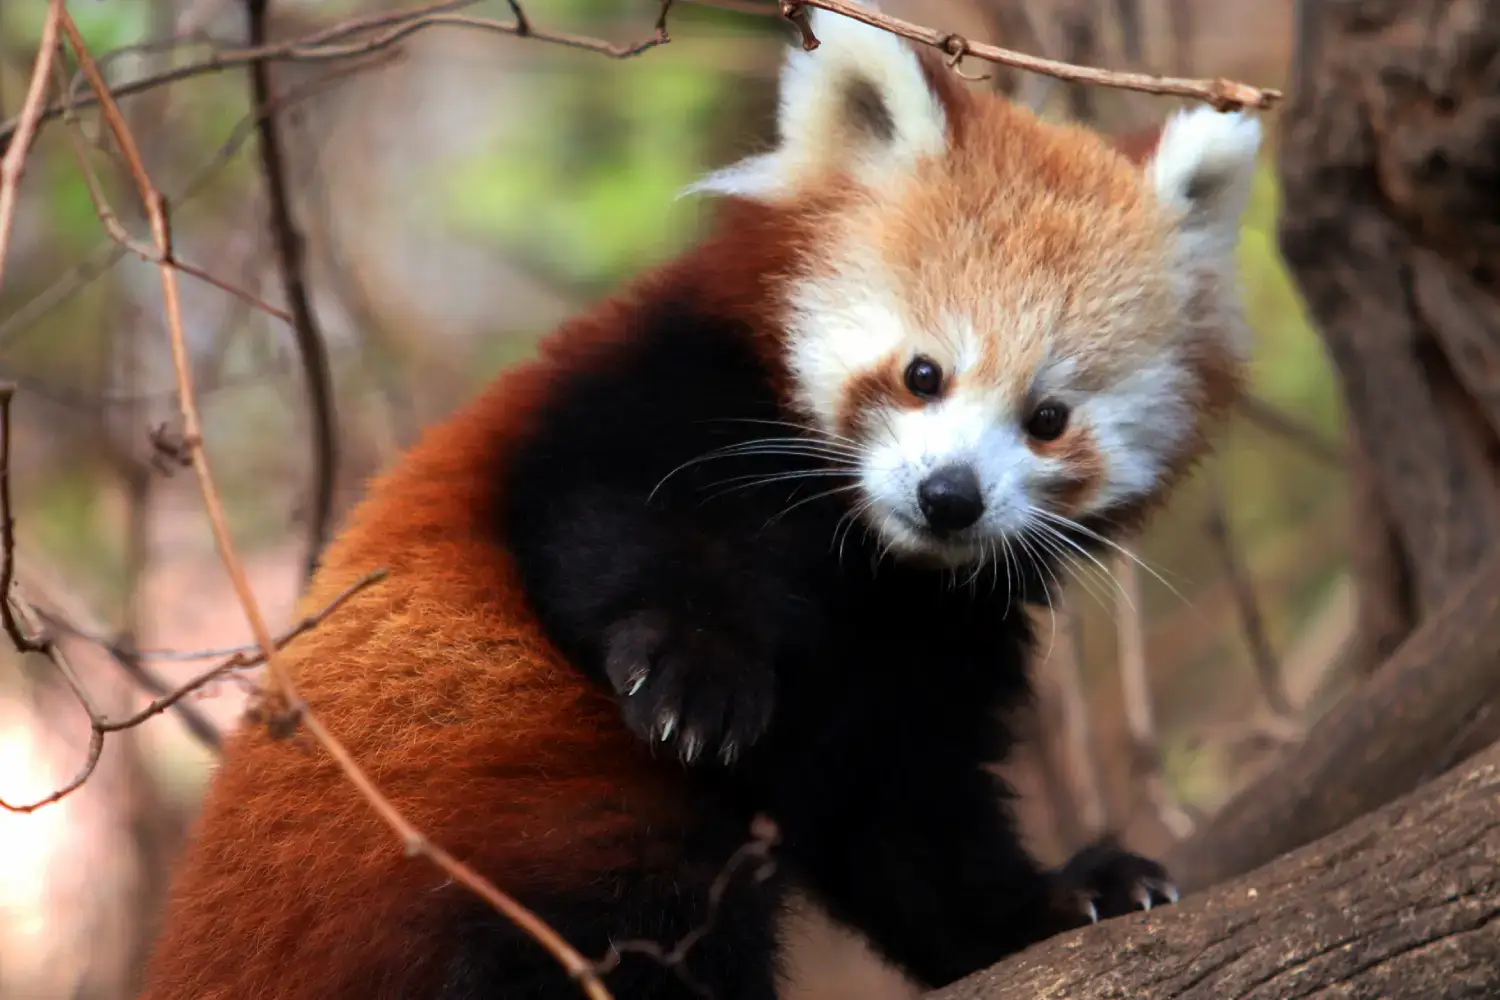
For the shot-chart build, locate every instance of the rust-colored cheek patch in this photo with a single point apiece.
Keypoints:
(1082, 471)
(884, 384)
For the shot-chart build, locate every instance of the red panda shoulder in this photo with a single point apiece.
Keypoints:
(441, 684)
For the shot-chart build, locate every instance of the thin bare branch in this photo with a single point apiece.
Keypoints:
(1273, 421)
(1139, 715)
(110, 219)
(764, 836)
(1252, 623)
(109, 252)
(32, 114)
(325, 45)
(290, 245)
(1225, 95)
(63, 614)
(236, 657)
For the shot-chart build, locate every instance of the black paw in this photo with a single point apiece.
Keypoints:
(1104, 880)
(703, 692)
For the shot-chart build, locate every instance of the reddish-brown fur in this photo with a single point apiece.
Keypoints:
(440, 683)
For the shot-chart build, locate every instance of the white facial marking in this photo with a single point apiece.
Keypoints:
(840, 326)
(1139, 423)
(976, 430)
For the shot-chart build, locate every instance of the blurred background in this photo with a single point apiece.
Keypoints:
(461, 193)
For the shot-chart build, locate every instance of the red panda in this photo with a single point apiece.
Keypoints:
(750, 538)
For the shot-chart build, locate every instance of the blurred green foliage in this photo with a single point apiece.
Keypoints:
(584, 187)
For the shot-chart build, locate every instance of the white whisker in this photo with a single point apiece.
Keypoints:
(1096, 536)
(816, 496)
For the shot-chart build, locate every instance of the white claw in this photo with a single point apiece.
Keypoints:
(1161, 886)
(637, 681)
(668, 722)
(691, 744)
(1093, 912)
(727, 752)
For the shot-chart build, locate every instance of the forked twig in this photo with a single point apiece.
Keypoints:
(25, 625)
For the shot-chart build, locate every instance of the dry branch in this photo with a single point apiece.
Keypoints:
(110, 219)
(1273, 421)
(1402, 905)
(1252, 623)
(32, 114)
(64, 614)
(24, 624)
(1225, 95)
(385, 30)
(1380, 742)
(1140, 717)
(290, 245)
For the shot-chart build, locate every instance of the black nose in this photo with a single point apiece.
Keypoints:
(950, 499)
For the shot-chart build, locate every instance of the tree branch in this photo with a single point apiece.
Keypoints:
(290, 245)
(386, 30)
(1273, 421)
(1225, 95)
(1140, 716)
(31, 117)
(1252, 623)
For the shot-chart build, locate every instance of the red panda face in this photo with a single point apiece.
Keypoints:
(1013, 325)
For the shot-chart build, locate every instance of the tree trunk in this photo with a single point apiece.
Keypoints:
(1390, 168)
(1404, 903)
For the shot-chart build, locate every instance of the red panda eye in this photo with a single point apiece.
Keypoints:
(1047, 421)
(924, 377)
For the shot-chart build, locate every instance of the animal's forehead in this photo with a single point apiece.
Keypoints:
(1053, 288)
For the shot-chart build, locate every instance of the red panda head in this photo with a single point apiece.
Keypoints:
(1010, 322)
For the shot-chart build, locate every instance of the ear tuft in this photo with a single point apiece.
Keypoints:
(859, 102)
(1204, 165)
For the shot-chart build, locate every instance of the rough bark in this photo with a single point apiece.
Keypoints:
(1404, 903)
(1390, 168)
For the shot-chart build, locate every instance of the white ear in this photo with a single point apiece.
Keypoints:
(1203, 169)
(859, 101)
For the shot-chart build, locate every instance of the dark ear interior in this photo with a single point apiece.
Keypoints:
(866, 109)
